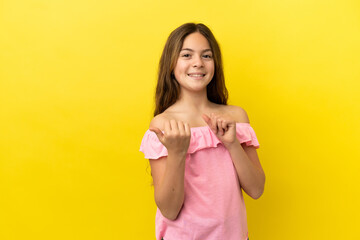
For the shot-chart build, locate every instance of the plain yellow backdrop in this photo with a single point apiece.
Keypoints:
(77, 83)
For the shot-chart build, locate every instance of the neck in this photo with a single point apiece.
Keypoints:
(193, 101)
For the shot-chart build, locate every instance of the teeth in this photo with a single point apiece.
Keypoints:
(196, 75)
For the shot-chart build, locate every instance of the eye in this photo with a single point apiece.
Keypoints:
(186, 55)
(207, 56)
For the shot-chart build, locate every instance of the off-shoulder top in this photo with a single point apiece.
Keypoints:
(214, 207)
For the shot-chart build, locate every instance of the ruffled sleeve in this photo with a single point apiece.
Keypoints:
(246, 134)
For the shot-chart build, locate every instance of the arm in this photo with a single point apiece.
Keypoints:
(168, 175)
(248, 168)
(168, 172)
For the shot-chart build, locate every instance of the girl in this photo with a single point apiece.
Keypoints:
(202, 152)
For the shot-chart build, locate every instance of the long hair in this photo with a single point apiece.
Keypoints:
(168, 89)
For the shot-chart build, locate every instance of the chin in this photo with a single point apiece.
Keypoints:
(196, 89)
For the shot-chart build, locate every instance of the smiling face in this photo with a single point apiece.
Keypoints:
(195, 65)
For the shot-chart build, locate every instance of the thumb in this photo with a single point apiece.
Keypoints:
(207, 119)
(158, 132)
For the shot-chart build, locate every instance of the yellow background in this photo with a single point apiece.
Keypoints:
(77, 83)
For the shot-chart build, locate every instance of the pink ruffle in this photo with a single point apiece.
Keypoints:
(201, 138)
(246, 134)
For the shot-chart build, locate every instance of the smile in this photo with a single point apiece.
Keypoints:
(197, 76)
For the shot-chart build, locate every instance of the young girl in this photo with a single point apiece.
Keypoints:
(202, 152)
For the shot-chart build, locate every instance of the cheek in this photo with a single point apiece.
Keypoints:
(211, 68)
(180, 69)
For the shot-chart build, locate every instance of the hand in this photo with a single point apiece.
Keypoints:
(224, 128)
(176, 136)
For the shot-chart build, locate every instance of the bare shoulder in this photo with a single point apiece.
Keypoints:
(158, 121)
(237, 113)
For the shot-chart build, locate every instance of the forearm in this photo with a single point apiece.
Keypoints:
(170, 196)
(251, 177)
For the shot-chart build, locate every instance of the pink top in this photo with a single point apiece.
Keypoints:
(214, 206)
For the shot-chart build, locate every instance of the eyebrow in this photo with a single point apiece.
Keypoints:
(189, 49)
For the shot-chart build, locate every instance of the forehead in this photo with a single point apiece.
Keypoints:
(196, 41)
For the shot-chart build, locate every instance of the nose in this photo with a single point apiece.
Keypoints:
(198, 62)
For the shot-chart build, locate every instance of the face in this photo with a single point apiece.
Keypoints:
(195, 65)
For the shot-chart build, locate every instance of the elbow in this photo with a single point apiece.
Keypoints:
(171, 216)
(170, 212)
(257, 194)
(259, 191)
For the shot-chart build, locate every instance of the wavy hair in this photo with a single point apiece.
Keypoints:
(168, 89)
